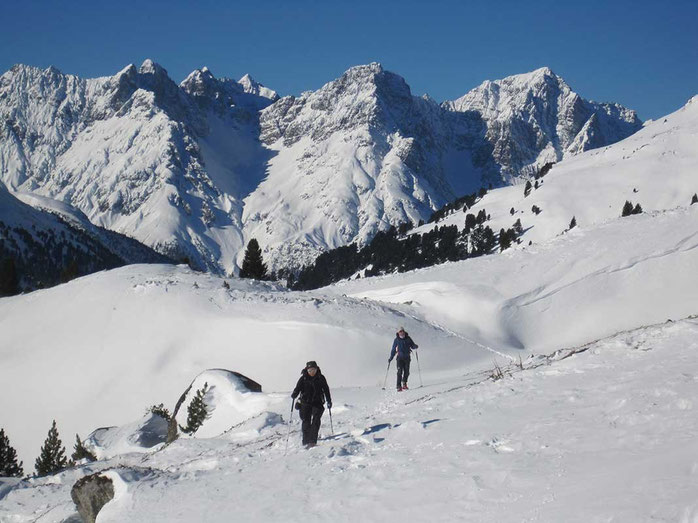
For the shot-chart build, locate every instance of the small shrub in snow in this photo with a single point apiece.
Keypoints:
(196, 412)
(226, 285)
(694, 199)
(497, 373)
(535, 210)
(8, 458)
(527, 188)
(52, 458)
(637, 209)
(627, 208)
(512, 211)
(573, 223)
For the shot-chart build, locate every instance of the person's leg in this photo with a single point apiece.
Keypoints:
(306, 413)
(399, 363)
(405, 372)
(315, 427)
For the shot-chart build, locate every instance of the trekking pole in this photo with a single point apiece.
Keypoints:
(288, 434)
(386, 374)
(419, 368)
(329, 409)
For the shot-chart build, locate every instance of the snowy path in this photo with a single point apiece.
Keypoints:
(609, 434)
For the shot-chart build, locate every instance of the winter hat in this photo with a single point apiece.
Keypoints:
(401, 329)
(310, 364)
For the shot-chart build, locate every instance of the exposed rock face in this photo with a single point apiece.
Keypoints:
(90, 494)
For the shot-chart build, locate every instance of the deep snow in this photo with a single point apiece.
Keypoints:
(607, 434)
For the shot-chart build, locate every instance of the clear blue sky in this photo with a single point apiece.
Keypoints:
(643, 54)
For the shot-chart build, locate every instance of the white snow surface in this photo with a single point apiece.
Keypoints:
(607, 434)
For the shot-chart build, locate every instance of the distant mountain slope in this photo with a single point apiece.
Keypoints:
(48, 246)
(195, 170)
(536, 118)
(654, 168)
(136, 153)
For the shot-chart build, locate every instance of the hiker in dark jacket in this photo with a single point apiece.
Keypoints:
(402, 347)
(314, 392)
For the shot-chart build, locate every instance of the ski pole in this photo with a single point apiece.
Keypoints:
(288, 434)
(386, 374)
(419, 368)
(329, 409)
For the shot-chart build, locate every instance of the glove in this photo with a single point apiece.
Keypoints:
(416, 347)
(390, 360)
(294, 395)
(329, 404)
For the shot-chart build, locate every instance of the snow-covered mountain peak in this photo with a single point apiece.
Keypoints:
(150, 67)
(535, 118)
(251, 86)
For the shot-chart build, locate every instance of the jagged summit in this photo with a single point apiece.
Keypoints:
(150, 67)
(251, 86)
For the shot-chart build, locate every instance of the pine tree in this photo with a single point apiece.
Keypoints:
(527, 188)
(573, 223)
(160, 410)
(80, 452)
(518, 228)
(637, 209)
(8, 458)
(196, 412)
(505, 239)
(694, 199)
(9, 281)
(253, 265)
(52, 458)
(627, 208)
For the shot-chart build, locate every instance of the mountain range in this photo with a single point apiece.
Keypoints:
(197, 169)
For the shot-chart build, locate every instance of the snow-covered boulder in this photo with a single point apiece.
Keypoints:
(230, 399)
(90, 494)
(140, 436)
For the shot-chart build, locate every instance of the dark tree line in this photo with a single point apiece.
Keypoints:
(391, 252)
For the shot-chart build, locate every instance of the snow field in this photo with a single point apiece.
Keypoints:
(606, 434)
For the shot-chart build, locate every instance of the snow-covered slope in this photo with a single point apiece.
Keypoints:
(117, 342)
(114, 343)
(535, 118)
(44, 238)
(198, 169)
(606, 434)
(656, 167)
